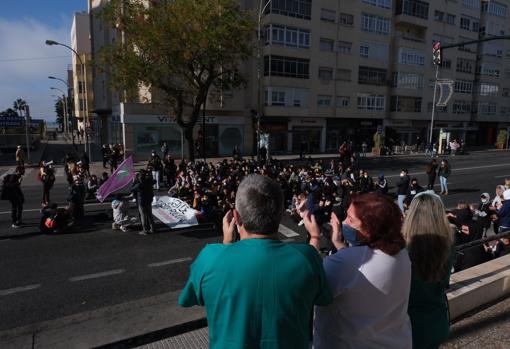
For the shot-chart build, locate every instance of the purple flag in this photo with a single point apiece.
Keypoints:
(121, 177)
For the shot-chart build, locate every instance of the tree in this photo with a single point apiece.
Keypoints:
(59, 110)
(19, 105)
(182, 48)
(9, 112)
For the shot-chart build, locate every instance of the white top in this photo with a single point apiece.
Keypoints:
(371, 294)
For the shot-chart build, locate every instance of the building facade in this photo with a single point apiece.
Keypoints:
(340, 70)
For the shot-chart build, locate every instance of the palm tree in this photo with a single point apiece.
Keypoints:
(19, 105)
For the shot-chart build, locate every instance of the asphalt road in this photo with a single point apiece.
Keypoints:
(45, 277)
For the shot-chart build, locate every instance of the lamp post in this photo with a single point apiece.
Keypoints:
(82, 70)
(262, 8)
(66, 116)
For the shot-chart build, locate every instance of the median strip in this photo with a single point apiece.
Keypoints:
(96, 275)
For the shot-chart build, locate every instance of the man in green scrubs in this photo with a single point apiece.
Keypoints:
(258, 292)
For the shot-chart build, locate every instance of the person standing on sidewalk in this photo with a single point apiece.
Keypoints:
(11, 190)
(106, 154)
(258, 292)
(443, 173)
(431, 171)
(20, 156)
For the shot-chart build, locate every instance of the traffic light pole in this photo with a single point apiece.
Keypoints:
(460, 44)
(433, 106)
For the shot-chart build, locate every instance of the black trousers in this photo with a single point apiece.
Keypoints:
(432, 180)
(46, 194)
(16, 210)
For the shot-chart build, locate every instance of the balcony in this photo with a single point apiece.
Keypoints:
(412, 12)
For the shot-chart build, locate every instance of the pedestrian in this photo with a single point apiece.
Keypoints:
(106, 154)
(259, 281)
(443, 173)
(164, 149)
(170, 170)
(414, 189)
(370, 281)
(428, 233)
(92, 186)
(11, 191)
(20, 156)
(402, 187)
(155, 166)
(47, 177)
(143, 191)
(431, 171)
(114, 158)
(302, 150)
(381, 186)
(85, 163)
(503, 212)
(364, 147)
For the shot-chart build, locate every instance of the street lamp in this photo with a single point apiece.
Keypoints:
(66, 120)
(262, 8)
(82, 69)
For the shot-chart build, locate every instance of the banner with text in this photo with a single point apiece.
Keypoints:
(174, 212)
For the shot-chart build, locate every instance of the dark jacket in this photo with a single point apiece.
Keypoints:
(504, 214)
(403, 185)
(12, 189)
(143, 191)
(444, 171)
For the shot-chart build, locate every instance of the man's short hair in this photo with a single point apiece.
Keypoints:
(259, 201)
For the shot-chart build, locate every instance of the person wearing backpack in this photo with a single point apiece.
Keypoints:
(11, 190)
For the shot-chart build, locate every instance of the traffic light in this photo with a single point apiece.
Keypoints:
(436, 53)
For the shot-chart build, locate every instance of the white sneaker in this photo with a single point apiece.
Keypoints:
(15, 226)
(123, 228)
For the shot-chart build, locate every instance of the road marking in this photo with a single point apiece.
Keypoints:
(289, 233)
(505, 176)
(18, 289)
(96, 275)
(453, 170)
(38, 209)
(173, 261)
(60, 172)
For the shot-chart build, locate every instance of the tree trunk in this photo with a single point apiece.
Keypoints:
(188, 135)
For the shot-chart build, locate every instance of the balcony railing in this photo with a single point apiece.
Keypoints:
(415, 8)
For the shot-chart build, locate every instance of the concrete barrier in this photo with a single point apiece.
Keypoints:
(479, 285)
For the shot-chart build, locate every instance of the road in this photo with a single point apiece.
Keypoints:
(46, 277)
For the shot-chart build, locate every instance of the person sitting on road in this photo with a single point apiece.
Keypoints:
(120, 207)
(258, 292)
(103, 179)
(92, 186)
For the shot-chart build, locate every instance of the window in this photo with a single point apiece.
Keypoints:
(344, 47)
(412, 81)
(491, 49)
(286, 96)
(405, 104)
(372, 76)
(379, 3)
(286, 66)
(323, 100)
(374, 50)
(82, 104)
(415, 8)
(438, 16)
(504, 111)
(450, 19)
(465, 65)
(446, 63)
(81, 87)
(291, 8)
(487, 109)
(465, 23)
(461, 107)
(375, 24)
(410, 56)
(287, 36)
(438, 109)
(487, 89)
(346, 19)
(343, 74)
(328, 15)
(463, 86)
(326, 44)
(343, 101)
(494, 8)
(369, 102)
(326, 74)
(472, 4)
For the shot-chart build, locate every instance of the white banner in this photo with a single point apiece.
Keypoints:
(174, 212)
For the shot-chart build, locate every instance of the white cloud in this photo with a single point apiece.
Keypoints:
(28, 79)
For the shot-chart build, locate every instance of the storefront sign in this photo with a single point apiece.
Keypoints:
(165, 119)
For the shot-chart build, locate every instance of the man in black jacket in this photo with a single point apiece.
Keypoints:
(402, 187)
(12, 192)
(144, 193)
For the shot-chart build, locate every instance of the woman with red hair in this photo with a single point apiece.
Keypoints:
(370, 280)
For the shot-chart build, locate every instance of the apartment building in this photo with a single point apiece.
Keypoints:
(83, 92)
(341, 70)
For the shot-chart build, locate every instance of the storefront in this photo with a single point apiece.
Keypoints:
(276, 128)
(351, 130)
(307, 133)
(222, 134)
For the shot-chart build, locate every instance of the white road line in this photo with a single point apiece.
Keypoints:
(289, 233)
(9, 171)
(453, 170)
(173, 261)
(60, 172)
(18, 289)
(96, 275)
(505, 176)
(38, 209)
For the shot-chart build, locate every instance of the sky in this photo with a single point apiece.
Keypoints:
(25, 60)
